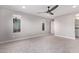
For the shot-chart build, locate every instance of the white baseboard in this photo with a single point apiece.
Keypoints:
(24, 38)
(66, 37)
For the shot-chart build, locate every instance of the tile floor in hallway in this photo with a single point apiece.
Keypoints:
(44, 44)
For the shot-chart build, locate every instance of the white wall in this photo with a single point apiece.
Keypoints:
(30, 25)
(65, 26)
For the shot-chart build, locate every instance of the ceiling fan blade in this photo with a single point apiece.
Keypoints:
(53, 8)
(51, 13)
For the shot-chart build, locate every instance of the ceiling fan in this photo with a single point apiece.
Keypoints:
(49, 11)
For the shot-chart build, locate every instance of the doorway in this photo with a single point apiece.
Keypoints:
(77, 28)
(52, 27)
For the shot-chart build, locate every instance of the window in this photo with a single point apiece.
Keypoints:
(16, 25)
(43, 26)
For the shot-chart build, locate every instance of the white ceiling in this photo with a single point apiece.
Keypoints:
(35, 9)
